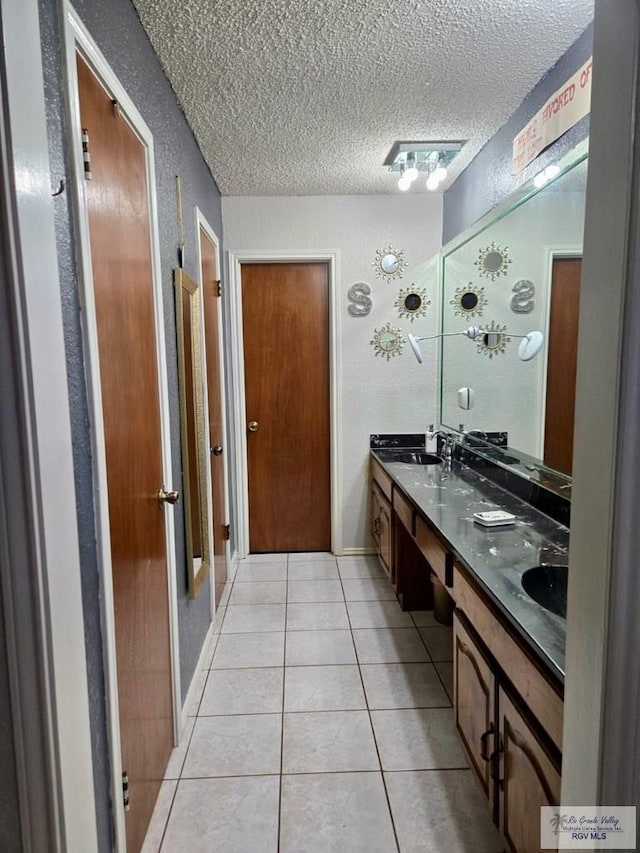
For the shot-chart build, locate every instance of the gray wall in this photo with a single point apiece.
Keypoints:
(116, 28)
(488, 179)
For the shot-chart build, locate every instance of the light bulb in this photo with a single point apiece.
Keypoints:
(440, 173)
(540, 180)
(432, 182)
(551, 171)
(411, 174)
(404, 183)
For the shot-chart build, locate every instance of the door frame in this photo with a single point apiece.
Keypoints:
(551, 253)
(42, 601)
(201, 222)
(235, 261)
(78, 39)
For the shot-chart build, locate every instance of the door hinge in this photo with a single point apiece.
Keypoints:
(218, 285)
(227, 531)
(86, 155)
(125, 790)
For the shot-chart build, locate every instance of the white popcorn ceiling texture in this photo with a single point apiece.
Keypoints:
(306, 97)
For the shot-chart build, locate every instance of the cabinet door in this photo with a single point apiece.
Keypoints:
(474, 705)
(381, 526)
(528, 779)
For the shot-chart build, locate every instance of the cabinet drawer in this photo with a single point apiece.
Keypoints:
(404, 511)
(432, 548)
(383, 480)
(541, 698)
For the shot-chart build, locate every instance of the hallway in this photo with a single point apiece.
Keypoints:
(322, 722)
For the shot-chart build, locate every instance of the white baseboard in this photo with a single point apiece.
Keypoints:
(195, 685)
(356, 552)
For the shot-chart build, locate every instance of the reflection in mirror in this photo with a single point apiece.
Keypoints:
(192, 429)
(531, 399)
(389, 263)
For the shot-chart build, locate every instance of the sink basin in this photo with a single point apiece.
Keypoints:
(413, 457)
(548, 586)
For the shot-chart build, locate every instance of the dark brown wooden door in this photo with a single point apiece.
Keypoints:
(286, 361)
(215, 390)
(119, 225)
(561, 369)
(528, 779)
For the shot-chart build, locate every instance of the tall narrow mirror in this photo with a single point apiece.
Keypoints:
(192, 428)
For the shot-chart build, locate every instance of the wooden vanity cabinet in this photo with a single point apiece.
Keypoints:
(527, 779)
(381, 513)
(514, 760)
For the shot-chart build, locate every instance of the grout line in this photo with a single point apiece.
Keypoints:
(324, 773)
(284, 679)
(169, 810)
(375, 740)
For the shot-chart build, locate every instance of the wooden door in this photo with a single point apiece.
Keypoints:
(119, 226)
(562, 362)
(474, 706)
(286, 360)
(528, 779)
(215, 389)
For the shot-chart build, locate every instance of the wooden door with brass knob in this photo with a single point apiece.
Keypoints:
(285, 311)
(119, 215)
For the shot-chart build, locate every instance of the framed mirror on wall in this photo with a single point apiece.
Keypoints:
(193, 433)
(540, 232)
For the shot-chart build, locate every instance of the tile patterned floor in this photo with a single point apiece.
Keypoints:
(322, 723)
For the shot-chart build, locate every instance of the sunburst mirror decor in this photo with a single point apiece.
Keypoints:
(412, 302)
(469, 301)
(387, 341)
(389, 263)
(493, 340)
(493, 261)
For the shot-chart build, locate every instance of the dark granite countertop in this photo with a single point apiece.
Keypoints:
(448, 495)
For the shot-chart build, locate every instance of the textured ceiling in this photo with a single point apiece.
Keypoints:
(305, 97)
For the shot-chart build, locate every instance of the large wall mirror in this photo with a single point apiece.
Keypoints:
(192, 429)
(518, 271)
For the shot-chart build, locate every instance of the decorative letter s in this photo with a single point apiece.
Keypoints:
(359, 294)
(522, 300)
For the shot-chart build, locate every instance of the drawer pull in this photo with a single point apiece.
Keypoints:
(483, 743)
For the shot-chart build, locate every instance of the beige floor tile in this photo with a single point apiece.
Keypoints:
(418, 739)
(261, 571)
(241, 745)
(317, 617)
(242, 691)
(237, 815)
(249, 618)
(246, 651)
(402, 685)
(314, 591)
(159, 817)
(224, 598)
(311, 557)
(323, 688)
(335, 812)
(199, 681)
(360, 567)
(377, 614)
(424, 619)
(259, 592)
(439, 642)
(328, 741)
(326, 570)
(178, 755)
(309, 648)
(274, 557)
(445, 671)
(389, 645)
(441, 810)
(368, 589)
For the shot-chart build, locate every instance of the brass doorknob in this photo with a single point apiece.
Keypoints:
(217, 450)
(168, 497)
(253, 426)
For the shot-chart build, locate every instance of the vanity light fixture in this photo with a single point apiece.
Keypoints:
(412, 158)
(403, 181)
(411, 172)
(528, 349)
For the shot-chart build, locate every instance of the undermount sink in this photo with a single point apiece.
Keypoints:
(548, 586)
(413, 457)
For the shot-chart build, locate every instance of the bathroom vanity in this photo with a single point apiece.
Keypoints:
(508, 649)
